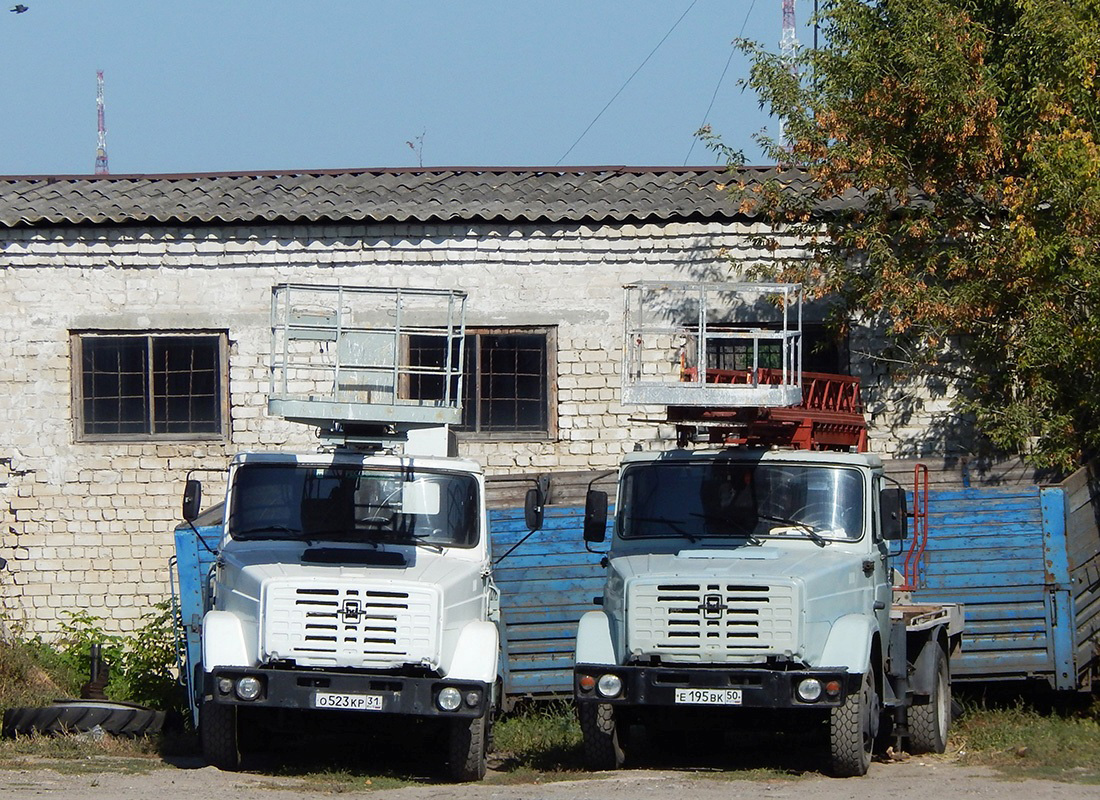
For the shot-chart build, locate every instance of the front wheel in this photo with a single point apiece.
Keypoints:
(601, 738)
(218, 732)
(852, 731)
(929, 724)
(467, 745)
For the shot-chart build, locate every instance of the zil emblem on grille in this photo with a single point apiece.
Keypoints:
(712, 606)
(351, 611)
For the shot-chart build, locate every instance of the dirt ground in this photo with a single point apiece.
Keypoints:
(915, 778)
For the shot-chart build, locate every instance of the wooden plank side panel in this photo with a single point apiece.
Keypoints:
(1082, 490)
(547, 582)
(985, 550)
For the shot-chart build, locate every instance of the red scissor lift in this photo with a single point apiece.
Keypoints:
(830, 416)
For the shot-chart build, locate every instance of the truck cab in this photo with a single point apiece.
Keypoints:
(355, 584)
(751, 586)
(351, 587)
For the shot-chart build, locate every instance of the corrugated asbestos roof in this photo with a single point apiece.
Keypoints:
(552, 194)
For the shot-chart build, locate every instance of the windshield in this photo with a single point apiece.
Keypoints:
(353, 504)
(722, 498)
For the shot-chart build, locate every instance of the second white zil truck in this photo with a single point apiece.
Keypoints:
(751, 586)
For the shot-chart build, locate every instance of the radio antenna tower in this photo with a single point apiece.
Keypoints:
(788, 45)
(101, 148)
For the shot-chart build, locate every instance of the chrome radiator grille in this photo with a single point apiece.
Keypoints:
(349, 624)
(713, 621)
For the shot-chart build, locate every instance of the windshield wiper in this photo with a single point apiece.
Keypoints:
(674, 525)
(741, 530)
(800, 526)
(258, 529)
(418, 540)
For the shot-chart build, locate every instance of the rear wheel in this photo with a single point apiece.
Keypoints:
(218, 732)
(929, 723)
(467, 744)
(601, 736)
(852, 731)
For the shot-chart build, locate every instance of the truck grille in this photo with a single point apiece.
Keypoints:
(712, 622)
(351, 625)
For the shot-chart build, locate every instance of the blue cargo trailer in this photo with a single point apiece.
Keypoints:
(1023, 560)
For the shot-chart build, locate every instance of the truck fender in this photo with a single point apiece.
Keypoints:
(594, 642)
(224, 643)
(477, 653)
(849, 643)
(924, 668)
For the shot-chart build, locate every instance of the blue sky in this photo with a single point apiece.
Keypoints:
(203, 86)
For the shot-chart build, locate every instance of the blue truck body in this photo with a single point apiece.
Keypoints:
(1024, 561)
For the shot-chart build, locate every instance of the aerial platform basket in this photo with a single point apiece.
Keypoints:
(346, 356)
(679, 334)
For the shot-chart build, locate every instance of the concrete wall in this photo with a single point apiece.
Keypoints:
(88, 525)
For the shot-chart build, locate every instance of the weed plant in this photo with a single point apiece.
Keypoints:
(1058, 741)
(141, 665)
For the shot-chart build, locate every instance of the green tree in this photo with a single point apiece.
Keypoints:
(963, 136)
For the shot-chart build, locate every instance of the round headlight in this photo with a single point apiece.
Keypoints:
(449, 698)
(248, 688)
(473, 698)
(809, 689)
(225, 685)
(609, 685)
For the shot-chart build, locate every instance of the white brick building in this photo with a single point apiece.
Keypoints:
(110, 283)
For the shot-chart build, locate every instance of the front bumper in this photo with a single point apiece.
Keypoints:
(713, 686)
(392, 694)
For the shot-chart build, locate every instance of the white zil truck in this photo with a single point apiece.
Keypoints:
(750, 586)
(349, 587)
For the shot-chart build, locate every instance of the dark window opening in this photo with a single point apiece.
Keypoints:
(505, 383)
(821, 352)
(151, 386)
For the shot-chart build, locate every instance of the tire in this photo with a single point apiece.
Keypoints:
(80, 716)
(467, 745)
(218, 732)
(930, 723)
(601, 737)
(852, 731)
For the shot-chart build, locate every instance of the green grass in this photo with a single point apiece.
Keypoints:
(538, 737)
(81, 754)
(1030, 740)
(541, 741)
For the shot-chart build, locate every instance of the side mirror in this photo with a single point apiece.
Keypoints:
(595, 516)
(892, 512)
(532, 509)
(192, 499)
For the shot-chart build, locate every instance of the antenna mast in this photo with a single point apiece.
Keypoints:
(788, 45)
(101, 148)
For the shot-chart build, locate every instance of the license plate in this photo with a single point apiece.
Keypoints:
(709, 697)
(350, 702)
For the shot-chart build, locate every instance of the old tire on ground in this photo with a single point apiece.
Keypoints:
(929, 724)
(218, 732)
(467, 746)
(79, 716)
(852, 731)
(602, 743)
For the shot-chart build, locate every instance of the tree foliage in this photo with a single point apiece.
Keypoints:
(962, 136)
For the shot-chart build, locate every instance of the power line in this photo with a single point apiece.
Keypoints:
(628, 80)
(721, 78)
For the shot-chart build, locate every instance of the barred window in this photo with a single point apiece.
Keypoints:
(821, 351)
(151, 386)
(506, 385)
